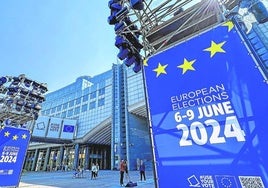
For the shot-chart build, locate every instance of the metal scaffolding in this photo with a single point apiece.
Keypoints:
(164, 23)
(20, 100)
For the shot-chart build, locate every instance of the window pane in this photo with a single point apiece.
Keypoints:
(71, 103)
(77, 110)
(70, 113)
(65, 105)
(59, 108)
(85, 98)
(93, 95)
(63, 114)
(92, 105)
(84, 108)
(101, 102)
(102, 91)
(78, 101)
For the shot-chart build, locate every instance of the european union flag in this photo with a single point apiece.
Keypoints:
(225, 181)
(203, 96)
(68, 128)
(13, 146)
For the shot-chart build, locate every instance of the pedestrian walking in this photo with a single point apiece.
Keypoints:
(97, 168)
(122, 169)
(93, 171)
(142, 170)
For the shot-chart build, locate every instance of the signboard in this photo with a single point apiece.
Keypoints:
(13, 146)
(40, 126)
(208, 106)
(54, 127)
(68, 129)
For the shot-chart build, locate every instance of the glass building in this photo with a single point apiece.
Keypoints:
(110, 115)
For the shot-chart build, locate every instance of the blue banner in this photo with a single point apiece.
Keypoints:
(208, 104)
(13, 147)
(68, 128)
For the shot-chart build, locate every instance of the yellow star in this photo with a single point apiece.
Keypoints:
(24, 136)
(214, 48)
(160, 69)
(7, 134)
(145, 62)
(187, 65)
(15, 137)
(229, 24)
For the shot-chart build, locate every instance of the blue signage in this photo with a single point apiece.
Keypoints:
(13, 147)
(208, 105)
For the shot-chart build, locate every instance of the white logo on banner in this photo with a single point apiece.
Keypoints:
(193, 181)
(203, 181)
(54, 127)
(40, 126)
(207, 181)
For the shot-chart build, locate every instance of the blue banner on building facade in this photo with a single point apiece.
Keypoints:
(54, 127)
(13, 146)
(68, 129)
(208, 105)
(41, 126)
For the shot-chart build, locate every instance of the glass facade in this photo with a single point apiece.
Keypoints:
(130, 138)
(137, 129)
(98, 103)
(88, 100)
(135, 87)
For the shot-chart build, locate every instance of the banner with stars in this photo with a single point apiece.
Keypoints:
(208, 106)
(13, 147)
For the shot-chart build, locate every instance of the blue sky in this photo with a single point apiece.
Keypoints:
(55, 41)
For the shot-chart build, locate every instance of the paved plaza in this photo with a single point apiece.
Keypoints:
(58, 179)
